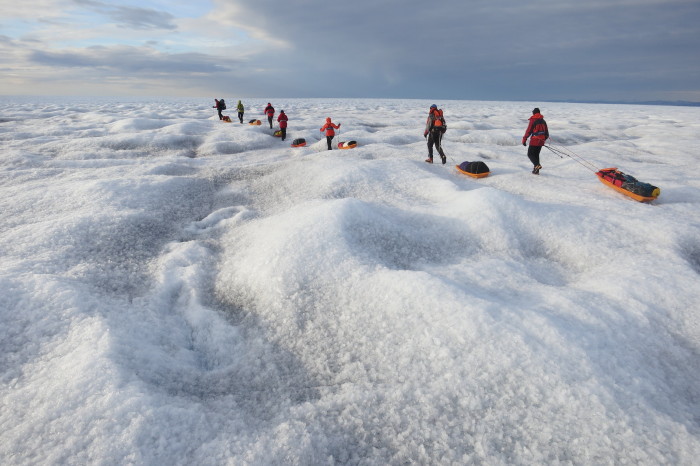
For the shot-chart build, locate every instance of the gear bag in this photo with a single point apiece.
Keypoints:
(474, 167)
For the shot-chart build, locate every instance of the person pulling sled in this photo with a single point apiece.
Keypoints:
(270, 112)
(282, 120)
(220, 106)
(329, 128)
(435, 127)
(538, 133)
(241, 111)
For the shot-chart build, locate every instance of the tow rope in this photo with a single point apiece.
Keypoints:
(563, 151)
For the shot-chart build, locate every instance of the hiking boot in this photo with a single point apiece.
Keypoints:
(429, 160)
(444, 159)
(536, 170)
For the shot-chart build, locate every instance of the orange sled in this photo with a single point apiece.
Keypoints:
(619, 182)
(474, 169)
(347, 145)
(473, 175)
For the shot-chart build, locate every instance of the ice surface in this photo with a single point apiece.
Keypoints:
(176, 290)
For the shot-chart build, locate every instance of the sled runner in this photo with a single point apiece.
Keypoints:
(628, 185)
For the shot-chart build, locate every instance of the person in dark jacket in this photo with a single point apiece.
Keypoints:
(538, 133)
(329, 128)
(435, 127)
(282, 120)
(220, 106)
(270, 112)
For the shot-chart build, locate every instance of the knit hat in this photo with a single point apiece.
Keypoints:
(536, 110)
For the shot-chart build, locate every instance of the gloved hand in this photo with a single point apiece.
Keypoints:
(425, 136)
(524, 143)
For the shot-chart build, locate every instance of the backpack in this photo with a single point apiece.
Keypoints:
(223, 104)
(439, 121)
(539, 128)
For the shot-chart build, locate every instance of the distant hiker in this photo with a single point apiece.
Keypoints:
(282, 120)
(220, 106)
(538, 133)
(328, 128)
(241, 110)
(435, 127)
(270, 112)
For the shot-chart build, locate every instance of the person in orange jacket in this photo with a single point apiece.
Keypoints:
(538, 133)
(282, 120)
(329, 129)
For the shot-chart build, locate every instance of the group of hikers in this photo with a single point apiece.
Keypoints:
(537, 131)
(220, 106)
(435, 127)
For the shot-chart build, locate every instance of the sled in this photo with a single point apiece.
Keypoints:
(618, 181)
(347, 145)
(226, 119)
(277, 134)
(255, 122)
(473, 169)
(301, 142)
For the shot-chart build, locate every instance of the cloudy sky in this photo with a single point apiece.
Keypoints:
(609, 50)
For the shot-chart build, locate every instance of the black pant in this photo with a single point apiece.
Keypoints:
(533, 153)
(240, 116)
(435, 137)
(284, 133)
(221, 117)
(269, 119)
(328, 140)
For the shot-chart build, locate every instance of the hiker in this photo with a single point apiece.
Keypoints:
(435, 127)
(328, 128)
(220, 106)
(538, 133)
(270, 112)
(241, 110)
(282, 120)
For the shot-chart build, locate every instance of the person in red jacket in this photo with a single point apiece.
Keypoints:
(270, 112)
(328, 128)
(435, 127)
(282, 120)
(538, 133)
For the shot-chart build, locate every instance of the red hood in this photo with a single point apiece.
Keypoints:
(536, 116)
